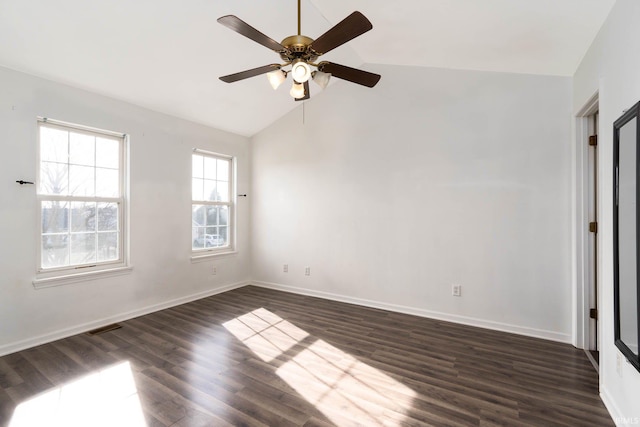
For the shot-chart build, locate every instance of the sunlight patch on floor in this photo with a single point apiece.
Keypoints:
(265, 333)
(339, 385)
(346, 389)
(108, 397)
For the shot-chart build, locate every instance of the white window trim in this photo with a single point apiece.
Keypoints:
(50, 282)
(204, 254)
(50, 277)
(208, 256)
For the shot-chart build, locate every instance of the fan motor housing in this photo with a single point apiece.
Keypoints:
(298, 47)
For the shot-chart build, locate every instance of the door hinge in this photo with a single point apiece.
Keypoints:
(593, 313)
(593, 227)
(593, 140)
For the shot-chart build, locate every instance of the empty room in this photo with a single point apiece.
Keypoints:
(319, 213)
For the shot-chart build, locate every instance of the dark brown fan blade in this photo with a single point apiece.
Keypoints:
(353, 75)
(241, 27)
(307, 93)
(347, 29)
(249, 73)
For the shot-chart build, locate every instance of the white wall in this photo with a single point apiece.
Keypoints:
(434, 177)
(612, 68)
(160, 222)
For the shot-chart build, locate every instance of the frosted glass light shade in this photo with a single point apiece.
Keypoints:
(321, 79)
(301, 72)
(297, 90)
(276, 78)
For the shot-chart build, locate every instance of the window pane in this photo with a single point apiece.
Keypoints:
(81, 181)
(197, 163)
(224, 236)
(199, 237)
(107, 217)
(212, 215)
(223, 215)
(108, 246)
(197, 215)
(209, 168)
(194, 236)
(197, 189)
(83, 216)
(223, 191)
(55, 250)
(81, 149)
(107, 153)
(55, 217)
(223, 170)
(210, 190)
(107, 184)
(54, 178)
(83, 248)
(54, 145)
(211, 233)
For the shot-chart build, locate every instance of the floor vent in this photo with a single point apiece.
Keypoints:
(104, 329)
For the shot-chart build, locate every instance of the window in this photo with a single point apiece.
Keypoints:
(212, 207)
(81, 198)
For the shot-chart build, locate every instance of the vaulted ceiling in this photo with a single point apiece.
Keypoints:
(167, 55)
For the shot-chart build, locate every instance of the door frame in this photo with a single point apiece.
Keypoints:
(581, 333)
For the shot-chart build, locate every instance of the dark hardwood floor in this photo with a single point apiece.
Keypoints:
(258, 357)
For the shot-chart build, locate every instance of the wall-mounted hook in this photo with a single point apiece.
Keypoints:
(242, 195)
(21, 182)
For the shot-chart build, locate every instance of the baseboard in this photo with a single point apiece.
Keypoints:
(53, 336)
(613, 409)
(79, 329)
(470, 321)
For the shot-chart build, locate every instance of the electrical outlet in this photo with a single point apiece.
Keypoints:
(456, 290)
(307, 271)
(285, 268)
(214, 270)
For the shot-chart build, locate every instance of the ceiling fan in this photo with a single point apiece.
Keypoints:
(300, 52)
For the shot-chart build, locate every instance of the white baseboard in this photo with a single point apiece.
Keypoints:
(79, 329)
(611, 406)
(471, 321)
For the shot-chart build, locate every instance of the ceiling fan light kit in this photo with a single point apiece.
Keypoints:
(300, 52)
(297, 90)
(320, 78)
(301, 71)
(276, 78)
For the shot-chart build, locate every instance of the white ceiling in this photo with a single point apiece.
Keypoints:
(167, 55)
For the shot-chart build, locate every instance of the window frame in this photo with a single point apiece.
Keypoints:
(54, 276)
(230, 248)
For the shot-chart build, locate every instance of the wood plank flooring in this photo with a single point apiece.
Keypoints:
(258, 357)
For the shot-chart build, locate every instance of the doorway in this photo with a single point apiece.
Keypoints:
(587, 208)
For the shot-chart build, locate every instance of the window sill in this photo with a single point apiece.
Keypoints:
(49, 282)
(207, 256)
